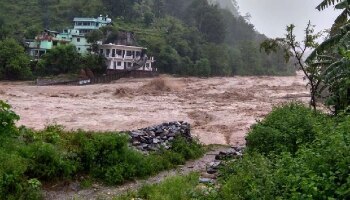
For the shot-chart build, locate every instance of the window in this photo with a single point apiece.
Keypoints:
(84, 31)
(41, 53)
(129, 64)
(147, 65)
(78, 49)
(115, 65)
(128, 53)
(108, 51)
(138, 54)
(118, 52)
(54, 43)
(101, 51)
(119, 64)
(78, 39)
(113, 53)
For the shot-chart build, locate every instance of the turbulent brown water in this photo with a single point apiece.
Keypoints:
(221, 110)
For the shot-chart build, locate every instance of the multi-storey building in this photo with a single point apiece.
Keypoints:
(120, 55)
(76, 36)
(123, 57)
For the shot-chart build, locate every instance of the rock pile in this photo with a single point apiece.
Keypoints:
(233, 153)
(211, 173)
(160, 136)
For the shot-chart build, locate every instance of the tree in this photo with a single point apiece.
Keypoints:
(148, 18)
(14, 62)
(296, 49)
(96, 63)
(326, 68)
(332, 58)
(202, 68)
(158, 8)
(168, 60)
(93, 37)
(61, 60)
(4, 31)
(219, 59)
(208, 20)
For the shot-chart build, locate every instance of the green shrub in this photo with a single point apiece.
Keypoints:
(317, 169)
(7, 120)
(188, 149)
(248, 179)
(28, 157)
(108, 157)
(13, 182)
(47, 161)
(178, 187)
(12, 168)
(285, 129)
(105, 156)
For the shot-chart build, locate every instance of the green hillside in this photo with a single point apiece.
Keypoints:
(188, 37)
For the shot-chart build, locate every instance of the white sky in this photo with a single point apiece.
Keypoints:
(271, 17)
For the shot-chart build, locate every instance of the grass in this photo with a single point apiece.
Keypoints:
(178, 187)
(29, 158)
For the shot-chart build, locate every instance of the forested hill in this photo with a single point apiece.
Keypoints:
(189, 37)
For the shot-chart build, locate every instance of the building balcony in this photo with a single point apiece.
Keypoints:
(129, 57)
(86, 27)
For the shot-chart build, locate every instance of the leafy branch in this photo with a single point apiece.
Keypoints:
(296, 49)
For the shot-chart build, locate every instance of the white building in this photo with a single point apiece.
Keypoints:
(122, 57)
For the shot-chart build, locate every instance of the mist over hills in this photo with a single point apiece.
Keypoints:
(230, 5)
(189, 37)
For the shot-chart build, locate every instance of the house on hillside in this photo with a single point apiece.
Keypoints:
(123, 57)
(120, 49)
(75, 36)
(45, 41)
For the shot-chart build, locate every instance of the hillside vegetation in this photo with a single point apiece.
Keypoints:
(294, 153)
(187, 37)
(29, 159)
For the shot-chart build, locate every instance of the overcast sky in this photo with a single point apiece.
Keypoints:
(270, 17)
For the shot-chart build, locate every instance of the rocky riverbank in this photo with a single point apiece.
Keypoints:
(154, 138)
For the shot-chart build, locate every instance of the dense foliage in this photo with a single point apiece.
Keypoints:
(293, 154)
(331, 58)
(66, 60)
(182, 35)
(14, 62)
(29, 157)
(317, 168)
